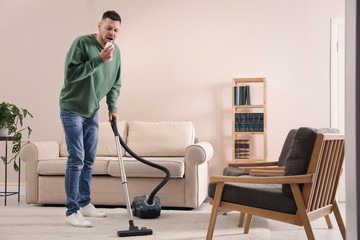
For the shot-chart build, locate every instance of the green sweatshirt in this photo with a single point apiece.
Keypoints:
(88, 79)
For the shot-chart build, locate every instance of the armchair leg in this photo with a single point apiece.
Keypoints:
(328, 222)
(241, 219)
(302, 211)
(214, 210)
(339, 219)
(248, 223)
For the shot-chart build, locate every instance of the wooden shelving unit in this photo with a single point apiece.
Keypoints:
(248, 120)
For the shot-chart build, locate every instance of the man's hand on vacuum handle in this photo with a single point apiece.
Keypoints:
(114, 116)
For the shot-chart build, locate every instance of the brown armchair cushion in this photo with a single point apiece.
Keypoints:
(298, 159)
(256, 195)
(300, 152)
(286, 147)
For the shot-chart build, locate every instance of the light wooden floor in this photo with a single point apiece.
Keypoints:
(278, 230)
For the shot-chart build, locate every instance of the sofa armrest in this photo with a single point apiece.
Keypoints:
(197, 157)
(31, 153)
(198, 153)
(35, 151)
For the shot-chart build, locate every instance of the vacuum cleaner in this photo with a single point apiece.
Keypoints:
(142, 206)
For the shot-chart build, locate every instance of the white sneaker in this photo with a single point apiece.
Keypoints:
(78, 220)
(90, 211)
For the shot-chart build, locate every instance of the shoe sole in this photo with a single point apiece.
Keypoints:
(98, 216)
(83, 226)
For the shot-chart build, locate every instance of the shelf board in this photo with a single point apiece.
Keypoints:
(249, 106)
(248, 133)
(249, 80)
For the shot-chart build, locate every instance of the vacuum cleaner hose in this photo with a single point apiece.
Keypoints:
(150, 200)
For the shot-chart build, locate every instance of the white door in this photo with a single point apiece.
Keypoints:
(338, 85)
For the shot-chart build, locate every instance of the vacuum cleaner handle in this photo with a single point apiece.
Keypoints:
(151, 164)
(114, 127)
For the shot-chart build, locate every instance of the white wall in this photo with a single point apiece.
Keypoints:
(178, 60)
(351, 125)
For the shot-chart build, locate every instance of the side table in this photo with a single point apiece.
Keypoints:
(6, 193)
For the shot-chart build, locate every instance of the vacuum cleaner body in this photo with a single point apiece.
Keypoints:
(143, 209)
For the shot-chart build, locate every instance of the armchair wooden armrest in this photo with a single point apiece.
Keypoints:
(270, 168)
(294, 179)
(278, 171)
(253, 164)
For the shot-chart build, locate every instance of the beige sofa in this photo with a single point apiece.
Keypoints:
(170, 144)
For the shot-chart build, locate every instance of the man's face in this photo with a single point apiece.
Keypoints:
(108, 30)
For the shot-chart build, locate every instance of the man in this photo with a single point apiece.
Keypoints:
(91, 73)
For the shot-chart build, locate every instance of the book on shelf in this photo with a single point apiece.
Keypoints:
(248, 101)
(242, 95)
(242, 148)
(249, 122)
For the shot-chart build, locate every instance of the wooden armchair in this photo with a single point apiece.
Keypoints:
(304, 193)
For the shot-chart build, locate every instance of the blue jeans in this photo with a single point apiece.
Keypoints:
(81, 135)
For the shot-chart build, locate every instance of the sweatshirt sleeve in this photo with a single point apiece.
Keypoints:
(78, 66)
(114, 93)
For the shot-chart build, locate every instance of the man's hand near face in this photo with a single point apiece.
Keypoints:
(106, 53)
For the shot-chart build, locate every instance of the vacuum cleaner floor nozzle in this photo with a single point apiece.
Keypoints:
(134, 231)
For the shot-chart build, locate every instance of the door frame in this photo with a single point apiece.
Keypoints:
(336, 23)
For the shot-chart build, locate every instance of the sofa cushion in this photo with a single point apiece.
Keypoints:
(58, 166)
(106, 142)
(160, 139)
(134, 168)
(110, 166)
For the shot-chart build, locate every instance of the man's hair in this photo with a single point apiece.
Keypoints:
(112, 15)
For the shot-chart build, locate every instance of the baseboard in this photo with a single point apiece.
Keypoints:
(12, 184)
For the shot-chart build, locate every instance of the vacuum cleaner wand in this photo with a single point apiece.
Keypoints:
(133, 230)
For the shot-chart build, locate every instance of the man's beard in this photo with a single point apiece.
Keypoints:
(102, 39)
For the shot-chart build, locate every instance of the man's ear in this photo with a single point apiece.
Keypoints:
(99, 26)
